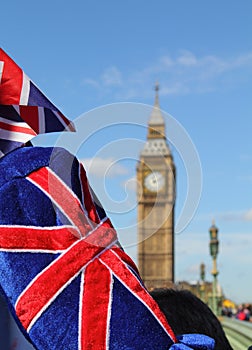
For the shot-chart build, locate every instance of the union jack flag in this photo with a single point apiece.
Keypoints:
(71, 286)
(24, 110)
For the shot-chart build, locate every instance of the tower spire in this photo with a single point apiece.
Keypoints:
(156, 139)
(156, 104)
(156, 117)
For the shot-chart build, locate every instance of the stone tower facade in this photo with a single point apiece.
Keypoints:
(156, 200)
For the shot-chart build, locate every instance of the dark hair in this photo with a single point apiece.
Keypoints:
(188, 314)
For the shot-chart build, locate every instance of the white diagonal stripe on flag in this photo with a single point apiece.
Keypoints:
(15, 131)
(17, 109)
(25, 91)
(61, 120)
(41, 120)
(15, 136)
(11, 122)
(1, 70)
(55, 183)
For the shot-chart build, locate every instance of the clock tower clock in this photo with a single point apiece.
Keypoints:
(156, 199)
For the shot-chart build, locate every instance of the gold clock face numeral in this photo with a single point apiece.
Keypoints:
(154, 181)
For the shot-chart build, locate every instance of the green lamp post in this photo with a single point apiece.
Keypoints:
(202, 282)
(214, 249)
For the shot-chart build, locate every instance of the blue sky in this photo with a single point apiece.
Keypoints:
(88, 54)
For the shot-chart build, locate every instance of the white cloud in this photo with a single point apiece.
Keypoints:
(187, 59)
(104, 167)
(248, 215)
(91, 82)
(174, 89)
(166, 61)
(111, 77)
(239, 215)
(131, 184)
(245, 215)
(183, 73)
(242, 60)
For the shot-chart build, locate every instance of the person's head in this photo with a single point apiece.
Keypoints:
(188, 314)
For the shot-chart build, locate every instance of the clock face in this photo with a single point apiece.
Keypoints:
(154, 182)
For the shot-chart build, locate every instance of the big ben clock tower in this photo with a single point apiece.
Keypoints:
(156, 199)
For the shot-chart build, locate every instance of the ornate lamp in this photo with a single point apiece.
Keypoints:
(214, 249)
(202, 272)
(202, 281)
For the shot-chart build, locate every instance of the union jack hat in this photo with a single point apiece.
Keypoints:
(67, 281)
(24, 110)
(69, 284)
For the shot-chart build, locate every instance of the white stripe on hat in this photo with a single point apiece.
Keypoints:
(25, 91)
(1, 70)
